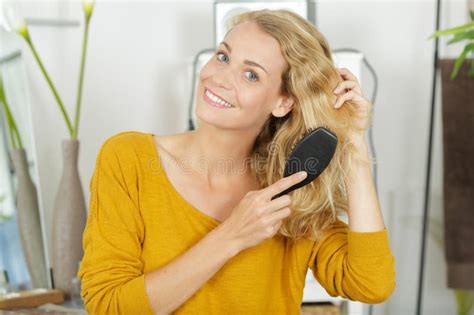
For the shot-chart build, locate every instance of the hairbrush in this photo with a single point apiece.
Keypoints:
(312, 153)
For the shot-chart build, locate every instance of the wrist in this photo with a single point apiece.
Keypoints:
(223, 240)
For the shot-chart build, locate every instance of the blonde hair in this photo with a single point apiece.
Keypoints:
(310, 79)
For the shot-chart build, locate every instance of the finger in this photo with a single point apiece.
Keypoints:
(279, 215)
(277, 203)
(282, 184)
(276, 227)
(345, 73)
(347, 85)
(345, 97)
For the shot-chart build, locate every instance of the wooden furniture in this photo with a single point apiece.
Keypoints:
(30, 298)
(320, 309)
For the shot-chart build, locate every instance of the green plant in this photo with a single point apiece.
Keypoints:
(3, 217)
(13, 129)
(464, 298)
(17, 23)
(465, 301)
(460, 33)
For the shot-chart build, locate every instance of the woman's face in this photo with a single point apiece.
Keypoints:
(245, 71)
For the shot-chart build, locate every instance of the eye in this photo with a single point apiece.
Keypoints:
(252, 72)
(220, 53)
(256, 76)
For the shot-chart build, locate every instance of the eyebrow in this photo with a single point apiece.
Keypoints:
(248, 62)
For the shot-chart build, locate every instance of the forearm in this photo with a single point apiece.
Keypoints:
(364, 210)
(173, 284)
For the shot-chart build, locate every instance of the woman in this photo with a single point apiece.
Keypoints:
(165, 235)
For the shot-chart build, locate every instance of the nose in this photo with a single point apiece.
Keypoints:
(222, 78)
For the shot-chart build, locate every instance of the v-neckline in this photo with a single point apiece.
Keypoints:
(171, 186)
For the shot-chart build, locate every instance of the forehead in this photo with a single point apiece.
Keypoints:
(249, 42)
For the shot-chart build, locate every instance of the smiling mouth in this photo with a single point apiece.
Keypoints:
(215, 100)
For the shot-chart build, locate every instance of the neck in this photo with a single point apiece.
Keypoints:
(220, 153)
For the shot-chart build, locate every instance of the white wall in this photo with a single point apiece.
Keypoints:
(137, 79)
(393, 38)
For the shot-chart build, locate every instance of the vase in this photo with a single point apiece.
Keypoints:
(28, 219)
(69, 219)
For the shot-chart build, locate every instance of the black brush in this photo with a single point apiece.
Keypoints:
(311, 154)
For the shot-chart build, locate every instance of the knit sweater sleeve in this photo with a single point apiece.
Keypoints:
(111, 271)
(358, 266)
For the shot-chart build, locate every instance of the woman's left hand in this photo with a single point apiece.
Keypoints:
(349, 90)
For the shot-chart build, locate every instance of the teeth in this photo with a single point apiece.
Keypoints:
(217, 100)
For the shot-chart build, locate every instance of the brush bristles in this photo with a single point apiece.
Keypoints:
(302, 136)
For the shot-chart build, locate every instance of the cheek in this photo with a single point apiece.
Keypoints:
(252, 99)
(206, 71)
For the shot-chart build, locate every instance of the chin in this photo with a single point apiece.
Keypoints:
(209, 116)
(205, 114)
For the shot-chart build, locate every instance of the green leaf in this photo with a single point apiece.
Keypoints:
(472, 14)
(461, 36)
(471, 69)
(453, 30)
(4, 217)
(465, 301)
(460, 60)
(2, 93)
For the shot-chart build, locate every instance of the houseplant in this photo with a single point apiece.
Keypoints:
(460, 33)
(464, 298)
(457, 84)
(69, 213)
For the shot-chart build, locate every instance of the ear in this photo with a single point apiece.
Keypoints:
(284, 107)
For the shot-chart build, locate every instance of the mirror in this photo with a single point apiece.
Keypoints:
(24, 262)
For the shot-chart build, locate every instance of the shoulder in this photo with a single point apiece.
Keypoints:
(126, 140)
(126, 143)
(123, 148)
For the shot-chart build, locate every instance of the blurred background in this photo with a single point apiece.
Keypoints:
(141, 58)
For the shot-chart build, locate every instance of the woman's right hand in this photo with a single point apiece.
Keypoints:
(257, 217)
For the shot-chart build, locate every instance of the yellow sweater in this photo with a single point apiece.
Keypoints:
(138, 222)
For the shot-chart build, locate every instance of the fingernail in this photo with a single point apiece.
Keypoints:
(303, 174)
